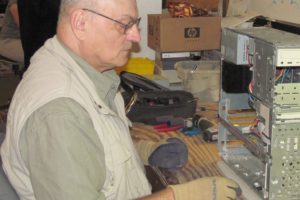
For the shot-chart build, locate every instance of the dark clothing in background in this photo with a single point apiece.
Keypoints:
(38, 19)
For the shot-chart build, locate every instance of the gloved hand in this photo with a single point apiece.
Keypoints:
(208, 188)
(168, 153)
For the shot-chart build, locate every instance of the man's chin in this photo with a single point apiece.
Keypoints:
(120, 65)
(122, 62)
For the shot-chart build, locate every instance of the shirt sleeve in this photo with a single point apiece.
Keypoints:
(63, 153)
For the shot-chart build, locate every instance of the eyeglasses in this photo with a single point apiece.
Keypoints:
(126, 27)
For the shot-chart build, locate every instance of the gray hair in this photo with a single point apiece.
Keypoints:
(66, 5)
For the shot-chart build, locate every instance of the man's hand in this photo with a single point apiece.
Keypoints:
(208, 188)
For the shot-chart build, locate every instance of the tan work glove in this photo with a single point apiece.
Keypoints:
(169, 153)
(208, 188)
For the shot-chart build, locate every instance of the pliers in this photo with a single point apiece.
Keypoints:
(165, 127)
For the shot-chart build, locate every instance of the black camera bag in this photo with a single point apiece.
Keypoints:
(146, 100)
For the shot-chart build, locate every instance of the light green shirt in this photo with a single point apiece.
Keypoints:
(62, 132)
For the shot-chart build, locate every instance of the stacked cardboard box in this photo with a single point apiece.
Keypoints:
(168, 34)
(179, 39)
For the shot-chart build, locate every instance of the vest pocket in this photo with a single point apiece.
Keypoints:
(120, 153)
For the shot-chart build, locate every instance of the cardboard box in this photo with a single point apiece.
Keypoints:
(167, 34)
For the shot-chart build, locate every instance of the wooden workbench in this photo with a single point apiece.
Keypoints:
(202, 158)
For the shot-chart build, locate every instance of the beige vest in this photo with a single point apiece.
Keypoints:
(62, 77)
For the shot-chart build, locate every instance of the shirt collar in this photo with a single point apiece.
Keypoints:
(106, 83)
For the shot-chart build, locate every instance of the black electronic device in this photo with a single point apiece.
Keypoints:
(235, 79)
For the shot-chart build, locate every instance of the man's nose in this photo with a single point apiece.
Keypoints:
(134, 34)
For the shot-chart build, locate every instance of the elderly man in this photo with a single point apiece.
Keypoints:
(67, 132)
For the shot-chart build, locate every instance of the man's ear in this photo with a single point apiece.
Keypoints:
(79, 23)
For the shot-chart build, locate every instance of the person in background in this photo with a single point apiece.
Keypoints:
(10, 43)
(67, 133)
(38, 19)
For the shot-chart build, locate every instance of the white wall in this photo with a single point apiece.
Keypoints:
(146, 7)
